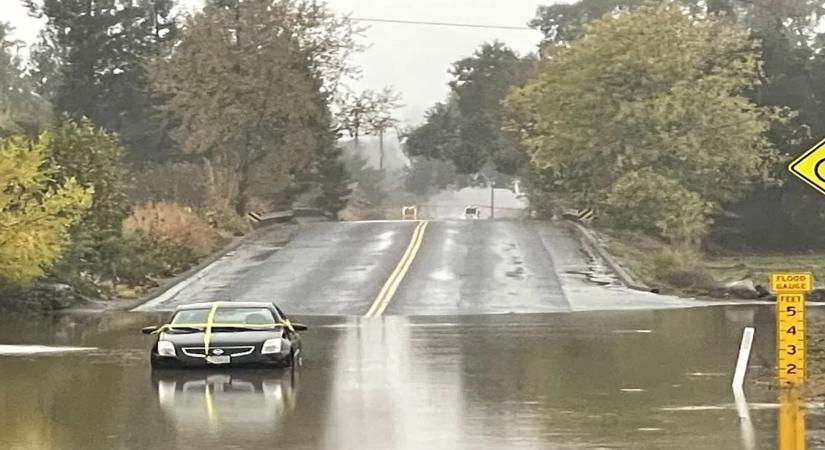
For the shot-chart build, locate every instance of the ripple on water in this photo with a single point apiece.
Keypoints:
(9, 350)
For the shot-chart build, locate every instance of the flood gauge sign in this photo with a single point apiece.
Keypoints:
(790, 290)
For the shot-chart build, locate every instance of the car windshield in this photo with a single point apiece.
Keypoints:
(226, 316)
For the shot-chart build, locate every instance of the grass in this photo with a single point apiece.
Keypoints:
(759, 266)
(658, 264)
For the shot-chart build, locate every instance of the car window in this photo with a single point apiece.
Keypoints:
(231, 315)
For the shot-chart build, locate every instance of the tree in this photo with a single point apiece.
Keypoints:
(35, 213)
(90, 62)
(562, 23)
(426, 176)
(793, 78)
(250, 84)
(369, 113)
(655, 90)
(80, 151)
(467, 128)
(21, 110)
(93, 158)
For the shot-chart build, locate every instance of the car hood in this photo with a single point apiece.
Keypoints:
(222, 338)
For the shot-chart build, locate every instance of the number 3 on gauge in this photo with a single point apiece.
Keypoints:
(791, 349)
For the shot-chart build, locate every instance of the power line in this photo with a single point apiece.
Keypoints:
(443, 24)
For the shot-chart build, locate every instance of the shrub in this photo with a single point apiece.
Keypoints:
(650, 202)
(173, 225)
(226, 219)
(682, 270)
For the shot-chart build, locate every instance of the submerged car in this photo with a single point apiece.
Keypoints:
(221, 334)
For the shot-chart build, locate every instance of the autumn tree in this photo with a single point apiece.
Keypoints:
(655, 93)
(35, 213)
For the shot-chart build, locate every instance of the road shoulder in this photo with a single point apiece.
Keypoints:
(254, 246)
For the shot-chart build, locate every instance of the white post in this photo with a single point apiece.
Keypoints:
(745, 423)
(742, 361)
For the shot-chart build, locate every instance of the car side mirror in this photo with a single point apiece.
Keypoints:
(299, 327)
(149, 330)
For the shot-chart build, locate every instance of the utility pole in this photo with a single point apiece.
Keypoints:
(492, 200)
(381, 148)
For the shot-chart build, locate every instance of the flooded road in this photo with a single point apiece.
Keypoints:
(586, 380)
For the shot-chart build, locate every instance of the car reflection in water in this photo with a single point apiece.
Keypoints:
(237, 399)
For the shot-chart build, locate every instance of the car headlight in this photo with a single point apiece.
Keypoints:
(166, 348)
(271, 346)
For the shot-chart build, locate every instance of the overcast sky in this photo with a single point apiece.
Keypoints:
(412, 58)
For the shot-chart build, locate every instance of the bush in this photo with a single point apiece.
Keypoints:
(174, 226)
(650, 202)
(149, 257)
(682, 270)
(227, 220)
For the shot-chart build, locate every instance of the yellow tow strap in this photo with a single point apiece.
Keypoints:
(207, 335)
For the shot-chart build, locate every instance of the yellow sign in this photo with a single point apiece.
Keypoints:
(790, 338)
(791, 426)
(810, 167)
(791, 282)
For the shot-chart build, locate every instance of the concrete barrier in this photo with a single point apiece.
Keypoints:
(590, 239)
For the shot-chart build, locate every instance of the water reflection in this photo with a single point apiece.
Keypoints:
(392, 382)
(242, 400)
(630, 380)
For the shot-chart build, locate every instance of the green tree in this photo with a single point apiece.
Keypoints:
(467, 128)
(93, 157)
(426, 176)
(90, 62)
(21, 110)
(655, 89)
(250, 84)
(793, 77)
(35, 213)
(80, 151)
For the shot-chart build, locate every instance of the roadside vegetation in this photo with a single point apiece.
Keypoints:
(135, 138)
(673, 120)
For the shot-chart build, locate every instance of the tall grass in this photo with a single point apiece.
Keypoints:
(173, 224)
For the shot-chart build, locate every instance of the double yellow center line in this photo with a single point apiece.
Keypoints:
(388, 290)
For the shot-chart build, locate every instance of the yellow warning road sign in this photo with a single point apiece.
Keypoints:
(810, 167)
(791, 282)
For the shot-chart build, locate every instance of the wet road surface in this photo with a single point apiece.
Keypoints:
(461, 267)
(592, 380)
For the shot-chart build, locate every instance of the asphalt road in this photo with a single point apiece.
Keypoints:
(416, 268)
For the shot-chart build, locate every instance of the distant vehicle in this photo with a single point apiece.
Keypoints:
(409, 213)
(220, 334)
(472, 212)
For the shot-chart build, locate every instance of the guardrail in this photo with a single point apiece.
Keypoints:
(260, 219)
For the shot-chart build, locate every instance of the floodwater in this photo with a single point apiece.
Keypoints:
(618, 380)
